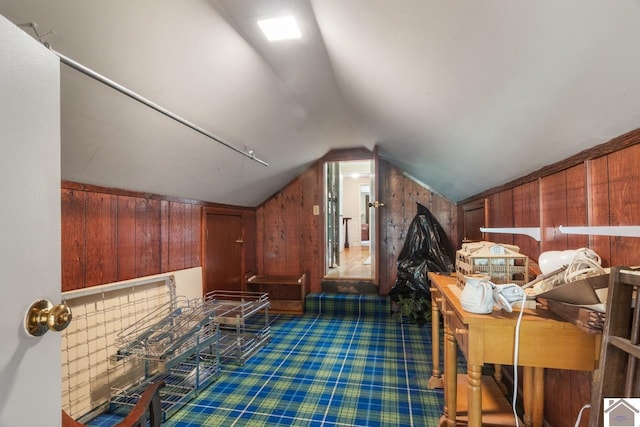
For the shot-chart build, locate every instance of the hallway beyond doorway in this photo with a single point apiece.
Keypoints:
(353, 264)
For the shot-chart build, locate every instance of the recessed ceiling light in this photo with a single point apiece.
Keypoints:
(281, 28)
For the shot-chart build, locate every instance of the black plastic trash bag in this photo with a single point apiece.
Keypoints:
(427, 248)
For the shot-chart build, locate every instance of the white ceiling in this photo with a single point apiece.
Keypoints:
(464, 96)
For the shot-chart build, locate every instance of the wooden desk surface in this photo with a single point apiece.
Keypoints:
(546, 341)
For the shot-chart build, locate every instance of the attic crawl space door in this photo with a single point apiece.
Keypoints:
(223, 252)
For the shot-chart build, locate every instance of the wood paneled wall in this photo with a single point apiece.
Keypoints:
(290, 237)
(598, 190)
(110, 235)
(400, 195)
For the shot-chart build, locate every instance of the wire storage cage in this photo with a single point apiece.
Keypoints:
(177, 343)
(243, 318)
(100, 313)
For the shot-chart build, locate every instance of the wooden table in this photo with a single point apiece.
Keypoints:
(545, 342)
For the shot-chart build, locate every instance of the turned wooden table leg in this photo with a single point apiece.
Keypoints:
(527, 395)
(497, 374)
(451, 378)
(474, 395)
(538, 397)
(436, 376)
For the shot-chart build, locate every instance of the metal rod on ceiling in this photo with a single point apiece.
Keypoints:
(102, 79)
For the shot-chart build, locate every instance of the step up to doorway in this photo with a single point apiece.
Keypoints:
(347, 305)
(349, 286)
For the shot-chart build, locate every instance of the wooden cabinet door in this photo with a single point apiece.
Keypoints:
(223, 252)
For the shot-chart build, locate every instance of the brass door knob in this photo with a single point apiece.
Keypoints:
(43, 316)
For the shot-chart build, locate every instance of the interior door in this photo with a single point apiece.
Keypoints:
(333, 215)
(223, 252)
(374, 227)
(473, 218)
(29, 226)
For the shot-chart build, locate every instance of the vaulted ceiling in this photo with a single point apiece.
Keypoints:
(461, 95)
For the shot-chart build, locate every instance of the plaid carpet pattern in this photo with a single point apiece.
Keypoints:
(324, 370)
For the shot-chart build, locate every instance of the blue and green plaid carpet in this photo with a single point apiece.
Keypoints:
(325, 368)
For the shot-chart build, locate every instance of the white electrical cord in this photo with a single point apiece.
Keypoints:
(586, 262)
(516, 346)
(580, 414)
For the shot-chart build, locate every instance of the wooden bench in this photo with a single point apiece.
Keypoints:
(286, 292)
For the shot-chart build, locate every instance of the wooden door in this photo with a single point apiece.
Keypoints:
(223, 252)
(473, 218)
(374, 230)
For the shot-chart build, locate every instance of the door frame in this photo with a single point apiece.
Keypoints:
(246, 241)
(346, 155)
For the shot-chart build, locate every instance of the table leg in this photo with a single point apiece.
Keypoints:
(527, 395)
(451, 378)
(436, 377)
(538, 397)
(474, 395)
(497, 375)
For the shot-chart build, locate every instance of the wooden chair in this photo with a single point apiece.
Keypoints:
(149, 403)
(618, 373)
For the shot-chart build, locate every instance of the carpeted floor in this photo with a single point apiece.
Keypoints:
(361, 369)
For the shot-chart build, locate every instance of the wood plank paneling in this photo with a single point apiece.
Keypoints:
(598, 204)
(576, 197)
(249, 235)
(150, 260)
(624, 182)
(312, 239)
(101, 239)
(596, 187)
(292, 229)
(501, 215)
(526, 213)
(553, 211)
(176, 236)
(73, 239)
(580, 386)
(271, 230)
(110, 235)
(196, 236)
(557, 397)
(164, 237)
(127, 230)
(140, 235)
(394, 225)
(260, 240)
(287, 229)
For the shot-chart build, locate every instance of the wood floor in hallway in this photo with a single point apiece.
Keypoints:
(352, 264)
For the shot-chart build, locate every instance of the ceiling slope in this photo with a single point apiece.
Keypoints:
(463, 96)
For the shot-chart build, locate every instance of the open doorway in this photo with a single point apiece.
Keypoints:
(349, 231)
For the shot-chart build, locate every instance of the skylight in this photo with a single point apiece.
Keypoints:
(281, 28)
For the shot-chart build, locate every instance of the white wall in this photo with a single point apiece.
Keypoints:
(351, 208)
(189, 282)
(29, 226)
